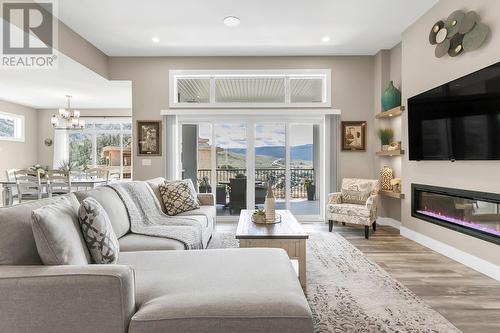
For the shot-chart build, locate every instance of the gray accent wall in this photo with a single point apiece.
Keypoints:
(422, 71)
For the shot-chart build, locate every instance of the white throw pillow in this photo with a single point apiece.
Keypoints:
(57, 234)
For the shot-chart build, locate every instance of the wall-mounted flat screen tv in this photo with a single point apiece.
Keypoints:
(459, 120)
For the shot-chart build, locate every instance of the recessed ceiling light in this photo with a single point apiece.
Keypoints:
(232, 21)
(155, 40)
(325, 39)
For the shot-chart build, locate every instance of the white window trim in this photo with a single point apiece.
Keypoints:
(19, 127)
(287, 74)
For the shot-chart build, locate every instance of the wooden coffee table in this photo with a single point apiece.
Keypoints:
(287, 235)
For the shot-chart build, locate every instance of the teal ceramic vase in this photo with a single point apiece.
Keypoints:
(391, 97)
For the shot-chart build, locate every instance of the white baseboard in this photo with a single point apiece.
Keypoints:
(389, 221)
(478, 264)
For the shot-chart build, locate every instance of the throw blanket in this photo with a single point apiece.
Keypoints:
(147, 218)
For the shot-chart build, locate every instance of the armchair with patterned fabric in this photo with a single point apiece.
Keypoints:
(356, 204)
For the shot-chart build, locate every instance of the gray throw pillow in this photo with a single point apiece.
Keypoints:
(57, 234)
(98, 232)
(355, 197)
(179, 196)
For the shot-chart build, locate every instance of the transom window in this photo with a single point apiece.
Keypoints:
(11, 127)
(250, 88)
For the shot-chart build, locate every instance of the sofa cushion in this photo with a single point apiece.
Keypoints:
(178, 197)
(155, 186)
(112, 204)
(206, 216)
(355, 197)
(58, 238)
(17, 244)
(98, 232)
(224, 291)
(134, 242)
(349, 209)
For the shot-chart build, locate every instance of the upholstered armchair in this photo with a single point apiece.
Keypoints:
(356, 204)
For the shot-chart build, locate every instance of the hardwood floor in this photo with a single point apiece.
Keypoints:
(468, 299)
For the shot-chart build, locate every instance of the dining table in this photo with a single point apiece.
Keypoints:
(7, 185)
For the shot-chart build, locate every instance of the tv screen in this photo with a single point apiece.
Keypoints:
(459, 120)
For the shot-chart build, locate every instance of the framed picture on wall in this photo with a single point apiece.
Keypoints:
(353, 135)
(148, 137)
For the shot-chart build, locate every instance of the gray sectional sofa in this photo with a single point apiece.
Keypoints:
(156, 287)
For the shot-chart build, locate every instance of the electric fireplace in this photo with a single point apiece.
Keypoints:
(473, 213)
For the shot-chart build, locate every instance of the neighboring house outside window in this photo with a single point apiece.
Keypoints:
(11, 127)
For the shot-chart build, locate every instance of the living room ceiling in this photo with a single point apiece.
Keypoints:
(46, 88)
(266, 27)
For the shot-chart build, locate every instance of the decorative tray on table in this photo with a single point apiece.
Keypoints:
(277, 220)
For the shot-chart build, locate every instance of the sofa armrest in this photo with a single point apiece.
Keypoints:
(91, 298)
(371, 202)
(206, 199)
(335, 198)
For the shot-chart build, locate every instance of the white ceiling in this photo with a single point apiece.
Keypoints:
(46, 88)
(268, 27)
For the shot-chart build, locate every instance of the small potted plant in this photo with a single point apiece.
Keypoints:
(259, 216)
(396, 185)
(385, 135)
(310, 188)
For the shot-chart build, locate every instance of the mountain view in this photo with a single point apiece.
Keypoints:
(302, 152)
(270, 156)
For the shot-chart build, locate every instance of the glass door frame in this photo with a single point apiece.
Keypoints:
(250, 122)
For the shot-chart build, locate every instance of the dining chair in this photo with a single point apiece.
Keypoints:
(29, 185)
(113, 176)
(11, 177)
(96, 173)
(58, 182)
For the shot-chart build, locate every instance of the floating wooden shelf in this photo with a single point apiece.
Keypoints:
(391, 113)
(391, 152)
(392, 194)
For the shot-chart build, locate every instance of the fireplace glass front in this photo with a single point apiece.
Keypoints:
(473, 213)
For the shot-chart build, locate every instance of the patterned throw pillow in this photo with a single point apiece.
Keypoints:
(355, 197)
(179, 196)
(98, 232)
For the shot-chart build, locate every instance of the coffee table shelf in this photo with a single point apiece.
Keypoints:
(288, 235)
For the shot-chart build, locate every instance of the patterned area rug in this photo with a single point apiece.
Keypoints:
(348, 292)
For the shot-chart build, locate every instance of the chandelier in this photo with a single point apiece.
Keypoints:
(67, 118)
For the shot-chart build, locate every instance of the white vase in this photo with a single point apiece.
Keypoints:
(270, 205)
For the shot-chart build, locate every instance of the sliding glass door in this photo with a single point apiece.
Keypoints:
(238, 159)
(270, 163)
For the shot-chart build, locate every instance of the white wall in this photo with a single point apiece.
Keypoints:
(421, 71)
(18, 155)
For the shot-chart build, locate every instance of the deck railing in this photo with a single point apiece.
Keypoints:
(276, 175)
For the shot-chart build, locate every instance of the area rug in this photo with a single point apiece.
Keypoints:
(347, 292)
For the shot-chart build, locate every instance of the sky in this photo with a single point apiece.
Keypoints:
(233, 135)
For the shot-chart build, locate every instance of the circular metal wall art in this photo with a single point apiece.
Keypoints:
(434, 31)
(454, 22)
(441, 35)
(460, 32)
(476, 37)
(442, 48)
(468, 23)
(456, 46)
